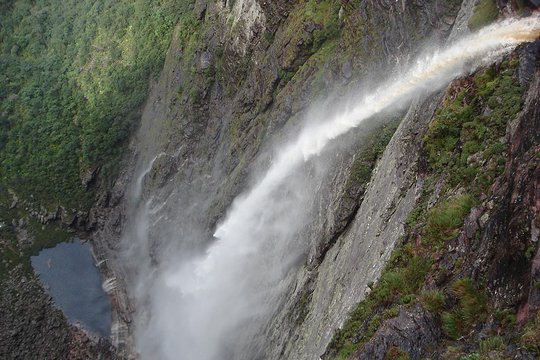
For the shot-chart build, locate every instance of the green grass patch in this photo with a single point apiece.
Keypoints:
(326, 14)
(505, 317)
(399, 283)
(531, 335)
(485, 12)
(491, 344)
(433, 300)
(467, 129)
(471, 308)
(444, 220)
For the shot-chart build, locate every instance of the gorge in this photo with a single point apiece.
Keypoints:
(317, 179)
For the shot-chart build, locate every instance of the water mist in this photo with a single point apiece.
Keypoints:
(208, 306)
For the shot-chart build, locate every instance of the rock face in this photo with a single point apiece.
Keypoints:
(241, 80)
(412, 331)
(209, 123)
(215, 125)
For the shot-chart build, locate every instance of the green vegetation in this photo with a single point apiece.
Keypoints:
(324, 13)
(391, 312)
(444, 220)
(471, 308)
(505, 317)
(371, 151)
(531, 335)
(485, 12)
(464, 155)
(74, 76)
(490, 344)
(16, 250)
(467, 129)
(400, 280)
(316, 47)
(395, 353)
(433, 300)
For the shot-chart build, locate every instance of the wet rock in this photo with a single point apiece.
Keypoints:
(346, 69)
(89, 177)
(527, 62)
(471, 224)
(14, 203)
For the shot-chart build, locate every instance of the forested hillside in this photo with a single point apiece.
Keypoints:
(74, 75)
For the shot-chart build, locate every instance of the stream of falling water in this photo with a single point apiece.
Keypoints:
(198, 308)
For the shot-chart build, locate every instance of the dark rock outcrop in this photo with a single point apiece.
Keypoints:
(412, 331)
(32, 327)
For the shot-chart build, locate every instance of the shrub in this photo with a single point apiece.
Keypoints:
(471, 307)
(446, 218)
(450, 325)
(391, 312)
(531, 335)
(505, 317)
(433, 300)
(373, 325)
(74, 88)
(493, 343)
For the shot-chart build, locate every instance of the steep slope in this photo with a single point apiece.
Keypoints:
(202, 129)
(462, 280)
(240, 79)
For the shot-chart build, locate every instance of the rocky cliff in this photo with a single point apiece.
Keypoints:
(232, 85)
(242, 76)
(246, 77)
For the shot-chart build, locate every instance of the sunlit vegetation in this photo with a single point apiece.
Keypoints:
(444, 220)
(74, 76)
(433, 300)
(324, 13)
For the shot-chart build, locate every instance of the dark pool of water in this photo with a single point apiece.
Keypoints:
(71, 278)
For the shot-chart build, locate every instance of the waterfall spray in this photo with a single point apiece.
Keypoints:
(198, 308)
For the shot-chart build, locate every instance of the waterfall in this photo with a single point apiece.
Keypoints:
(206, 307)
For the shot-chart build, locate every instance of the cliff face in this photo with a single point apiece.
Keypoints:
(238, 78)
(232, 84)
(415, 236)
(477, 294)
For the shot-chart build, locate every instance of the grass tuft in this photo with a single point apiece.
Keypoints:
(471, 308)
